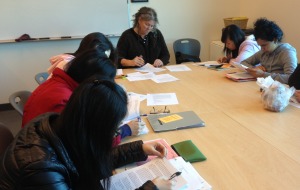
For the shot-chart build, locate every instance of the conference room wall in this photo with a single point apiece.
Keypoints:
(285, 13)
(200, 19)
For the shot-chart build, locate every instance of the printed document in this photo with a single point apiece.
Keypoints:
(149, 68)
(176, 68)
(161, 99)
(140, 76)
(136, 177)
(239, 66)
(188, 172)
(164, 78)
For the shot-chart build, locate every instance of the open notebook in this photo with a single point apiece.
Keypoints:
(174, 121)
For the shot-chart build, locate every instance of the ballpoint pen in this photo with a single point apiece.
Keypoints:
(175, 175)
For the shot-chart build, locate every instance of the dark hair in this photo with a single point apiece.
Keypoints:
(267, 30)
(87, 126)
(235, 34)
(147, 14)
(98, 40)
(90, 62)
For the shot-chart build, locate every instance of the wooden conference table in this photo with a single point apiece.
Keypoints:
(247, 147)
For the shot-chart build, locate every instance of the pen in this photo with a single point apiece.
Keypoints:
(175, 175)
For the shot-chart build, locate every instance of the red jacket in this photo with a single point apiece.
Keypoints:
(50, 96)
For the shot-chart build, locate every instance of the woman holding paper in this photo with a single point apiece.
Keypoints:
(73, 150)
(237, 47)
(143, 43)
(275, 59)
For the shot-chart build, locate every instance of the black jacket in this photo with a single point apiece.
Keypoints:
(294, 79)
(131, 45)
(37, 159)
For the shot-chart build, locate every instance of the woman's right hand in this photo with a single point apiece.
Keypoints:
(297, 95)
(163, 183)
(222, 60)
(138, 61)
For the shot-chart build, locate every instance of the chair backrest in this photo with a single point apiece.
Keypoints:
(41, 77)
(18, 100)
(187, 46)
(6, 137)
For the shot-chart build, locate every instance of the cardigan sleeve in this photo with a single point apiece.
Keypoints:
(164, 55)
(128, 153)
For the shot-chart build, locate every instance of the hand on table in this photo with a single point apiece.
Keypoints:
(297, 95)
(138, 61)
(256, 72)
(222, 60)
(158, 63)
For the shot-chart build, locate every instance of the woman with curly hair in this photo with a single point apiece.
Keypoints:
(275, 59)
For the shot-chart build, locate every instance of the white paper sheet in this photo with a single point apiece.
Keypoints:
(119, 72)
(142, 96)
(176, 68)
(164, 78)
(140, 76)
(161, 99)
(294, 102)
(133, 107)
(188, 172)
(137, 176)
(149, 68)
(239, 66)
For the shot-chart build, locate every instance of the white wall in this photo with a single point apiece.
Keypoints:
(200, 19)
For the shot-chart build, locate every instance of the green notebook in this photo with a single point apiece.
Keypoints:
(188, 151)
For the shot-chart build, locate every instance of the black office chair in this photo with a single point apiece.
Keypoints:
(18, 100)
(6, 137)
(41, 77)
(187, 50)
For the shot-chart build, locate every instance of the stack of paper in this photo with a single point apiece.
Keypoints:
(240, 76)
(158, 167)
(149, 68)
(155, 167)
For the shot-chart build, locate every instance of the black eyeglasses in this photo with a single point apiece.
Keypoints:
(157, 111)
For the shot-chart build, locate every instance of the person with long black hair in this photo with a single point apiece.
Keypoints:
(73, 150)
(237, 47)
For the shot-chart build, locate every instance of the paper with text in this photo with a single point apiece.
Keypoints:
(176, 68)
(149, 68)
(164, 78)
(140, 76)
(161, 99)
(188, 172)
(239, 66)
(136, 177)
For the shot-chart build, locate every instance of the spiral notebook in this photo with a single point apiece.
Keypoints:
(175, 121)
